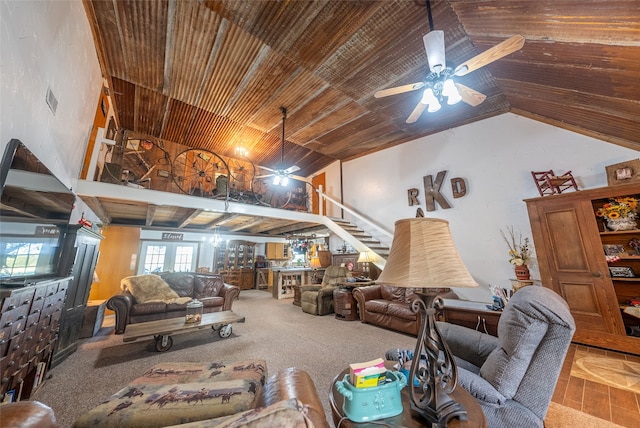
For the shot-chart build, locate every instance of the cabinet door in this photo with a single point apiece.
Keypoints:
(568, 252)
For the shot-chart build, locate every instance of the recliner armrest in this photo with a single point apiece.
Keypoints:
(310, 288)
(121, 305)
(327, 291)
(468, 344)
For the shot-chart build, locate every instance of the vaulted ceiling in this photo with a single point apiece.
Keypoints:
(214, 74)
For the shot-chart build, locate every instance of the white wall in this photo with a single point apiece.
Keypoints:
(495, 157)
(48, 44)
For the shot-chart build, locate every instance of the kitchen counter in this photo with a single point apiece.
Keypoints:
(285, 279)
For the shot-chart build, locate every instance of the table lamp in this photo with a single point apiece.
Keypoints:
(315, 262)
(424, 256)
(365, 258)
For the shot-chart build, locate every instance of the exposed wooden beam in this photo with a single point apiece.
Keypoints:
(187, 219)
(151, 211)
(221, 220)
(247, 225)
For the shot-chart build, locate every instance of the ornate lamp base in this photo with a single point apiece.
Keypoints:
(437, 378)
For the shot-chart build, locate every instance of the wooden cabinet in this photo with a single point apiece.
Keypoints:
(29, 324)
(470, 314)
(78, 259)
(235, 263)
(569, 239)
(351, 260)
(277, 251)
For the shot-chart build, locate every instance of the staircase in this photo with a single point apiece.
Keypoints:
(359, 239)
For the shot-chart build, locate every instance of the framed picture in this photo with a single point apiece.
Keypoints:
(621, 272)
(613, 249)
(624, 172)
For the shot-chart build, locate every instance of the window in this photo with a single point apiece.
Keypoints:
(154, 258)
(26, 256)
(21, 259)
(167, 256)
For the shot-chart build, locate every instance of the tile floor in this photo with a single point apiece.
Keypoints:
(608, 391)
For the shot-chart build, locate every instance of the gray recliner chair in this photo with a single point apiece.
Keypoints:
(513, 376)
(318, 299)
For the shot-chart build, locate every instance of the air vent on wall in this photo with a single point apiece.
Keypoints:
(52, 101)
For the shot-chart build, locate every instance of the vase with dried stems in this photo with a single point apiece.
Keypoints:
(519, 252)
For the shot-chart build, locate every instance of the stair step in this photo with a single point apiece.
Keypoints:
(353, 230)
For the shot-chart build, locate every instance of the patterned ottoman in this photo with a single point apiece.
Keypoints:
(175, 393)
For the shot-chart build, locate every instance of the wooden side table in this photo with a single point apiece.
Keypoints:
(93, 317)
(474, 315)
(408, 418)
(297, 295)
(344, 305)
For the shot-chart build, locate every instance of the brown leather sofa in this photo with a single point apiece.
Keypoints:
(210, 289)
(294, 383)
(388, 307)
(27, 414)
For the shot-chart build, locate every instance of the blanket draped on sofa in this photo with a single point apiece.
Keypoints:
(151, 288)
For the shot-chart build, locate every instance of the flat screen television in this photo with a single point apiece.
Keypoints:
(35, 208)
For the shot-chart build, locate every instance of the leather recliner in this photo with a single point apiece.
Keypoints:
(318, 299)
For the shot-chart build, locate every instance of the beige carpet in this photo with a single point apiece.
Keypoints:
(560, 416)
(275, 330)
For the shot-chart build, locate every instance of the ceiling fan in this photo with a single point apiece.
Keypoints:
(282, 175)
(439, 82)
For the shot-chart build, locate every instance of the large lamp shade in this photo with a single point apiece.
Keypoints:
(423, 255)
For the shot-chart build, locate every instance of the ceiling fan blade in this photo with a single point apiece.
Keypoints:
(500, 50)
(434, 45)
(415, 114)
(291, 169)
(470, 96)
(267, 168)
(264, 176)
(398, 90)
(299, 178)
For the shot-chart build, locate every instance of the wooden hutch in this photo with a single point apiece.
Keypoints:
(570, 242)
(235, 263)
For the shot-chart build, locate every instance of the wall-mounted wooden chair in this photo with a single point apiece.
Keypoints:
(549, 183)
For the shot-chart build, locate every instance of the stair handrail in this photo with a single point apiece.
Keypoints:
(322, 196)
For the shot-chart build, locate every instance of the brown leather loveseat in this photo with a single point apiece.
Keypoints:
(388, 307)
(175, 290)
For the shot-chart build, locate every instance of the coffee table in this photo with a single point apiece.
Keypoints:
(408, 417)
(161, 330)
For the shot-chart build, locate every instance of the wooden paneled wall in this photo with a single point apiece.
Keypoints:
(114, 262)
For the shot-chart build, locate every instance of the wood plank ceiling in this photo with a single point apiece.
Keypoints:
(213, 74)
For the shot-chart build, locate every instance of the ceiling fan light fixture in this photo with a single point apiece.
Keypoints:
(276, 180)
(429, 98)
(434, 107)
(450, 91)
(285, 181)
